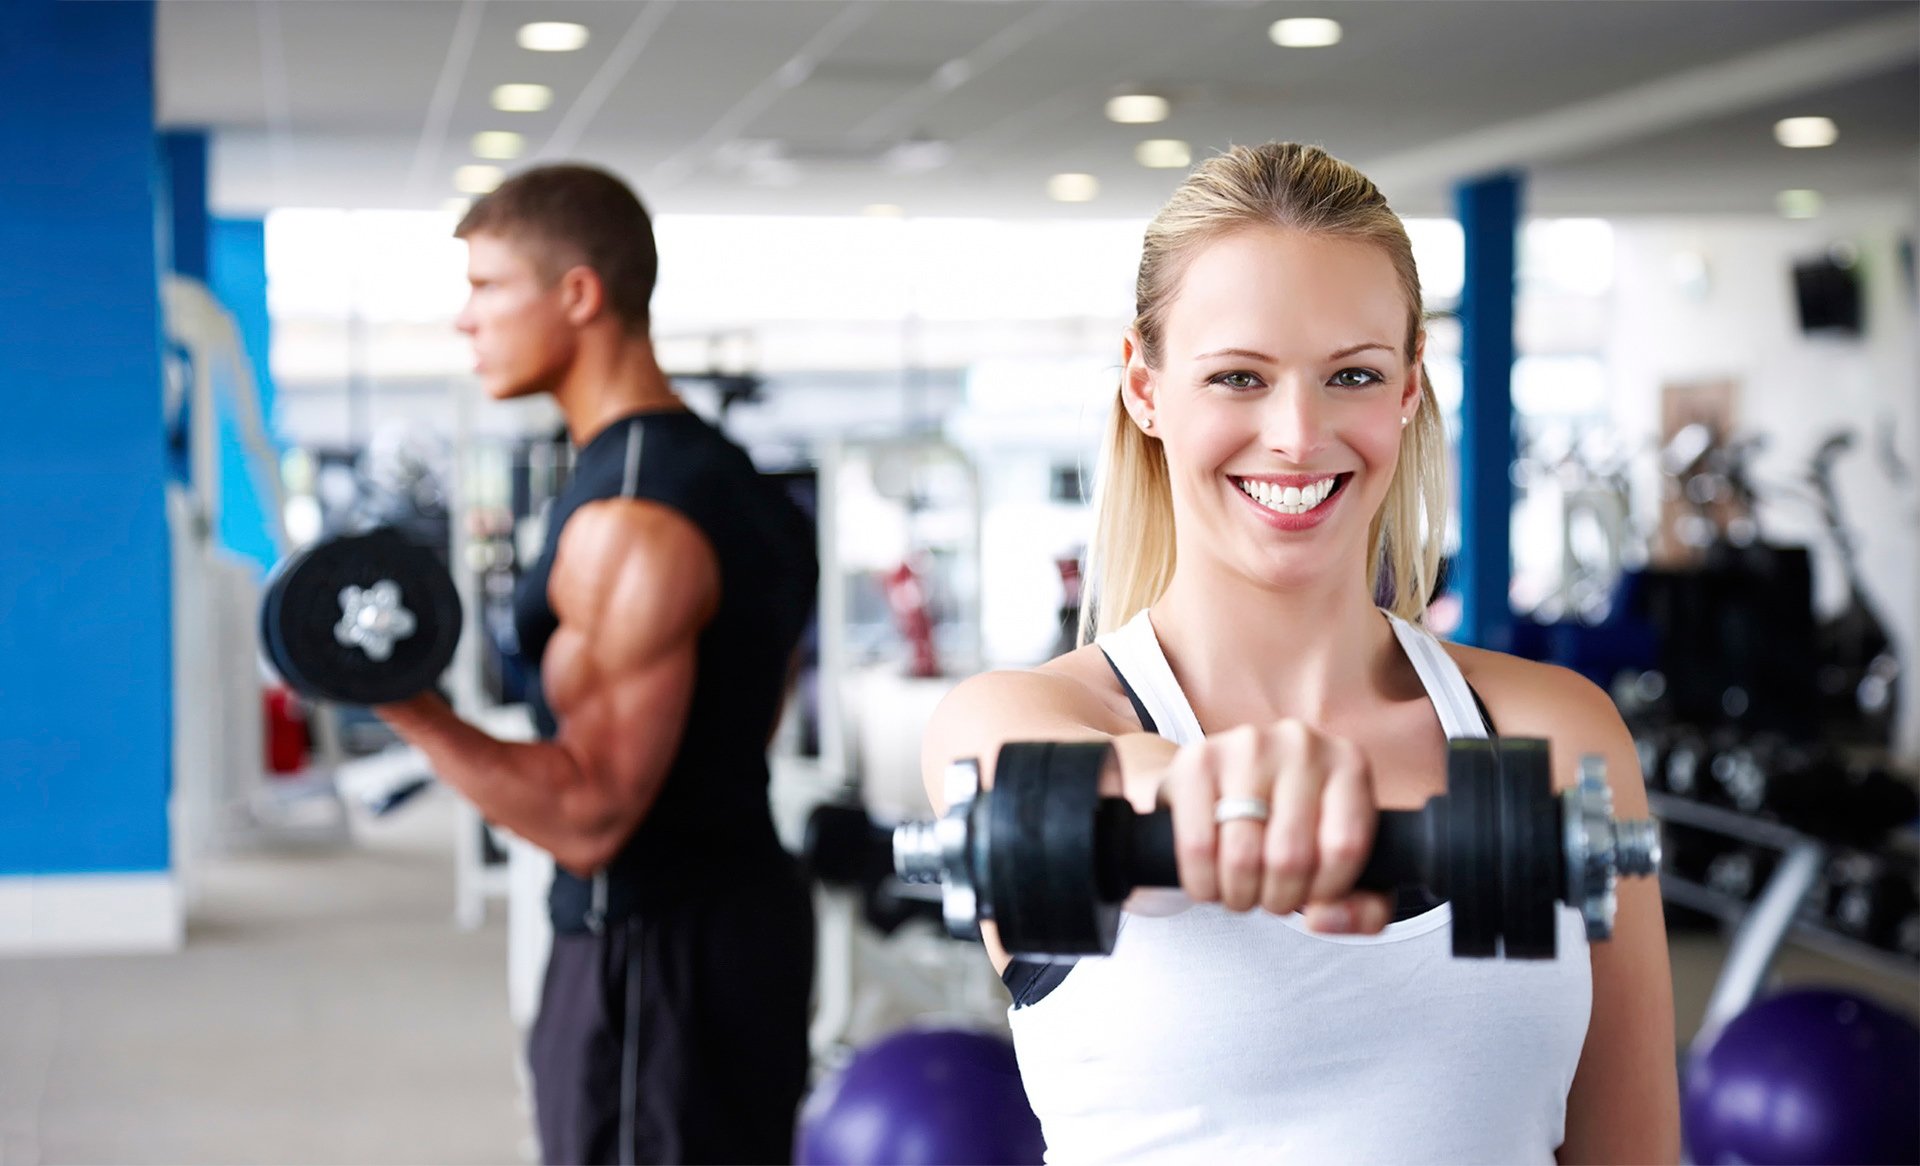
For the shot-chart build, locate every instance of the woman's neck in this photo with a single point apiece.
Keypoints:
(1245, 651)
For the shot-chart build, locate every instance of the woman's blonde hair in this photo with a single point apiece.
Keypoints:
(1131, 556)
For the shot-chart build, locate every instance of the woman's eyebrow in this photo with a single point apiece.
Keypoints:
(1250, 354)
(1346, 352)
(1246, 353)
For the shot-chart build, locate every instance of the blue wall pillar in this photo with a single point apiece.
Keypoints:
(1489, 213)
(85, 716)
(183, 160)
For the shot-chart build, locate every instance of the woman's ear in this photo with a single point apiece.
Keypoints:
(1410, 391)
(1137, 387)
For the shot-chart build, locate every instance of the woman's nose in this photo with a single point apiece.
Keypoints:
(1293, 422)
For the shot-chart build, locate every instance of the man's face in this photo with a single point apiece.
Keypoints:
(522, 340)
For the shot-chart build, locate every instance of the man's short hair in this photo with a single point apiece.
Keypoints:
(567, 216)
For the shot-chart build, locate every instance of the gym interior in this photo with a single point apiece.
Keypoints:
(1667, 256)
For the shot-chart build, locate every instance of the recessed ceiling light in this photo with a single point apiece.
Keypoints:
(1137, 109)
(476, 179)
(916, 156)
(498, 144)
(1163, 154)
(1798, 204)
(1073, 187)
(522, 98)
(553, 36)
(1305, 32)
(883, 210)
(1804, 133)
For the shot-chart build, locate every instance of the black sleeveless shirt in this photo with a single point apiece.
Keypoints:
(710, 825)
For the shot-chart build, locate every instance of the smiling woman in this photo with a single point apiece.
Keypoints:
(1269, 509)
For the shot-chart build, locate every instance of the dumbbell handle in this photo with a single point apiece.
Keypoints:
(1137, 850)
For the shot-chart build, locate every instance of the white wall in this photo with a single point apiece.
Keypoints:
(1794, 388)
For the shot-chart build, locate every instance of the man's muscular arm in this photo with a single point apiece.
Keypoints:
(633, 583)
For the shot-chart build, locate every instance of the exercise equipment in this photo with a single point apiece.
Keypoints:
(361, 619)
(1049, 860)
(921, 1097)
(1805, 1076)
(843, 847)
(1858, 677)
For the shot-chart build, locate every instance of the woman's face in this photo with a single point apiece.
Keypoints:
(1279, 397)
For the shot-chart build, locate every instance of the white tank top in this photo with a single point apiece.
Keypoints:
(1209, 1036)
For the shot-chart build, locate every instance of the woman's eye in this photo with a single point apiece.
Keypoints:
(1238, 380)
(1356, 378)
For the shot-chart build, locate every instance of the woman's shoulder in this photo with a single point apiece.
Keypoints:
(1528, 698)
(1064, 699)
(1077, 685)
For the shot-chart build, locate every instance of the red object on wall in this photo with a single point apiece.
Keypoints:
(913, 615)
(286, 735)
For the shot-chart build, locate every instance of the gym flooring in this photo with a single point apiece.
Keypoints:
(326, 1009)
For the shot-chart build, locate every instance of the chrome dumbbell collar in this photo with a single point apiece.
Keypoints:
(373, 619)
(1600, 849)
(941, 851)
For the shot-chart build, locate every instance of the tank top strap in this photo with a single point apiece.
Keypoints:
(1135, 653)
(1452, 698)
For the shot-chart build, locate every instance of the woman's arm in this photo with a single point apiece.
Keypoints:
(987, 711)
(1624, 1105)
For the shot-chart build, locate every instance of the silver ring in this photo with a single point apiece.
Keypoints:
(1241, 809)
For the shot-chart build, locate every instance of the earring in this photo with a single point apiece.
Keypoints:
(1147, 423)
(1403, 422)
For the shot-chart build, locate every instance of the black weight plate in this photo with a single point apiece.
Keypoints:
(270, 617)
(1530, 843)
(1043, 869)
(302, 606)
(1473, 842)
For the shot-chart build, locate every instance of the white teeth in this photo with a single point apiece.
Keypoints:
(1288, 499)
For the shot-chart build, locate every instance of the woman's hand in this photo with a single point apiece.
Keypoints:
(1307, 848)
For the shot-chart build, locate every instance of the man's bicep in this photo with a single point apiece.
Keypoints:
(636, 577)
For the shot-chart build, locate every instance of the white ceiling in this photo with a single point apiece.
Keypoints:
(1612, 106)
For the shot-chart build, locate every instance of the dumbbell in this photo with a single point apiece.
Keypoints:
(1049, 860)
(1871, 898)
(1686, 764)
(361, 619)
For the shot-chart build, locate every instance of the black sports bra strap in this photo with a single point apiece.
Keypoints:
(1133, 698)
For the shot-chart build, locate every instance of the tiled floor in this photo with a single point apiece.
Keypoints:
(326, 1010)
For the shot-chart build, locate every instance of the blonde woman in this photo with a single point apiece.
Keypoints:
(1268, 508)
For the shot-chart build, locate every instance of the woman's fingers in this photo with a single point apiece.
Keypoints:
(1361, 913)
(1346, 821)
(1248, 761)
(1290, 856)
(1190, 791)
(1278, 817)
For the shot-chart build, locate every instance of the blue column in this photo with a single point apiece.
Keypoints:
(239, 281)
(84, 583)
(183, 159)
(1489, 213)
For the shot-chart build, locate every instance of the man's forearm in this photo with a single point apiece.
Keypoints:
(536, 790)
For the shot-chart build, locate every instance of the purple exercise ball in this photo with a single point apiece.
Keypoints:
(1806, 1076)
(920, 1098)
